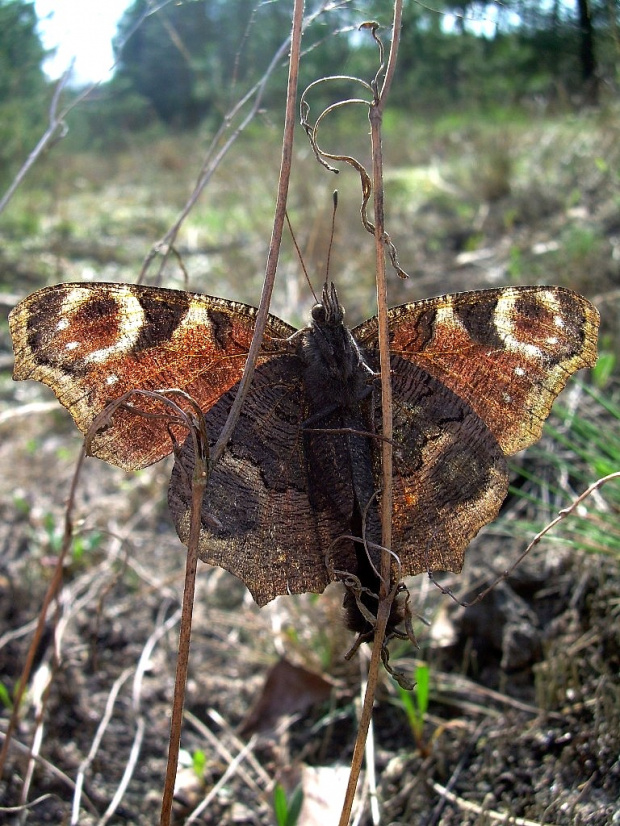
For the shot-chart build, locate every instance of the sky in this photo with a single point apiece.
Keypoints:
(80, 29)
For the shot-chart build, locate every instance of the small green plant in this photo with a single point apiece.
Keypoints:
(85, 544)
(287, 809)
(21, 505)
(53, 532)
(415, 704)
(604, 368)
(515, 264)
(5, 697)
(199, 763)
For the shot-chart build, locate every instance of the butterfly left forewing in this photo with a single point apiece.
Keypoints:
(92, 343)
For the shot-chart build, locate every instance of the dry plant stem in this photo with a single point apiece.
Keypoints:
(387, 592)
(131, 764)
(481, 811)
(55, 129)
(56, 122)
(40, 704)
(375, 116)
(213, 160)
(199, 484)
(563, 514)
(101, 728)
(53, 771)
(52, 590)
(198, 487)
(276, 236)
(214, 157)
(231, 770)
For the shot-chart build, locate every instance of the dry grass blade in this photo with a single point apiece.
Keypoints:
(387, 590)
(50, 595)
(468, 806)
(130, 767)
(101, 728)
(49, 767)
(219, 744)
(231, 770)
(200, 478)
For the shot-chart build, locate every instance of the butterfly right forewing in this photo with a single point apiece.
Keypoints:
(474, 377)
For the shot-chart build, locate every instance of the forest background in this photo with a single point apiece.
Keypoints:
(484, 94)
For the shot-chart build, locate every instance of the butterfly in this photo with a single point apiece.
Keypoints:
(298, 488)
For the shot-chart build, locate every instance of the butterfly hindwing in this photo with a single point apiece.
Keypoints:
(91, 343)
(450, 474)
(260, 518)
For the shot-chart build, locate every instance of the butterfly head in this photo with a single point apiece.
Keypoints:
(329, 312)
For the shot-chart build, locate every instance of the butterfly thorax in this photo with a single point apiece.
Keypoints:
(336, 375)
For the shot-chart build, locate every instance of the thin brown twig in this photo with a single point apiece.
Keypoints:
(215, 156)
(387, 590)
(199, 483)
(276, 236)
(312, 130)
(562, 514)
(212, 161)
(56, 129)
(50, 595)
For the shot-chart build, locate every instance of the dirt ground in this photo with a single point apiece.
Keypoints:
(524, 719)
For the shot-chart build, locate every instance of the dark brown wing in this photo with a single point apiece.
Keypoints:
(450, 474)
(91, 343)
(274, 533)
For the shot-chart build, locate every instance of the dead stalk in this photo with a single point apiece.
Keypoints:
(50, 595)
(387, 591)
(200, 479)
(276, 236)
(199, 483)
(56, 128)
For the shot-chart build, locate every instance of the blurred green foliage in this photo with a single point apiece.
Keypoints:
(185, 64)
(23, 89)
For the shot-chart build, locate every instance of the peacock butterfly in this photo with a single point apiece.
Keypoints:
(474, 376)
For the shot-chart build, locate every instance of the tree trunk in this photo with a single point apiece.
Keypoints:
(587, 54)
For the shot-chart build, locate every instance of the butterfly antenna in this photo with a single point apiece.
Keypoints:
(331, 235)
(299, 255)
